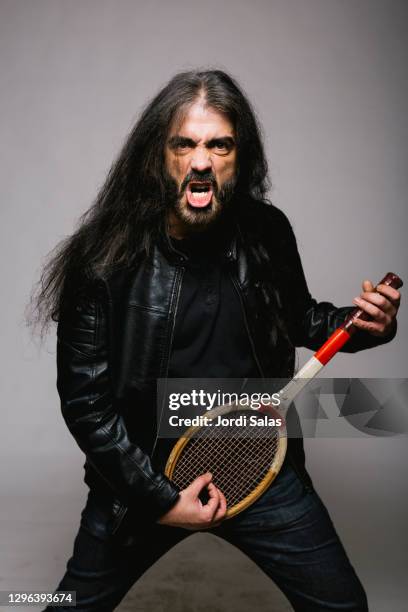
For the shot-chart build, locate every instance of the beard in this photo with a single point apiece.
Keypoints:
(199, 218)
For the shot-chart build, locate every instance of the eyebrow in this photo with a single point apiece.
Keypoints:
(176, 141)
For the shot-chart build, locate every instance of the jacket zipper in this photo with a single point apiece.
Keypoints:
(176, 302)
(165, 369)
(235, 283)
(119, 516)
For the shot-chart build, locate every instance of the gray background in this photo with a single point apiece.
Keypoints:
(328, 79)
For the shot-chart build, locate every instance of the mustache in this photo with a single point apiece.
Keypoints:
(199, 177)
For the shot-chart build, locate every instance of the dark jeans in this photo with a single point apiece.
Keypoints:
(287, 532)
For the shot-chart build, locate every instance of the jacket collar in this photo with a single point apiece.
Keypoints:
(229, 251)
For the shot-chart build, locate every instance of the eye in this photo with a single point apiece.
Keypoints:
(182, 146)
(221, 147)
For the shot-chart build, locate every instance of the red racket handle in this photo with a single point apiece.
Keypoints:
(347, 329)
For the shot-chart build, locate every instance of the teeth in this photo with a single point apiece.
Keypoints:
(200, 194)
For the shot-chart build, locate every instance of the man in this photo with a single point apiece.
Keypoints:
(182, 268)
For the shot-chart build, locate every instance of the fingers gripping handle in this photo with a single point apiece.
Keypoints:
(390, 279)
(347, 329)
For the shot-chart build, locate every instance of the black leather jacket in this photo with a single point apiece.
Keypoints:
(114, 341)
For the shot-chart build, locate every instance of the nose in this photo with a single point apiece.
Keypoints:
(201, 161)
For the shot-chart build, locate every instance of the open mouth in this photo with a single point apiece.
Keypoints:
(199, 194)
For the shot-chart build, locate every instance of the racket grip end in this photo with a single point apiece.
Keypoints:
(392, 280)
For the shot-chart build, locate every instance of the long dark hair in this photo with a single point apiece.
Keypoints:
(129, 213)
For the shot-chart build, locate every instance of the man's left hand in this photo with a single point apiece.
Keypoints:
(382, 306)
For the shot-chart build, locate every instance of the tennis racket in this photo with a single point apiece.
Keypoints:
(244, 463)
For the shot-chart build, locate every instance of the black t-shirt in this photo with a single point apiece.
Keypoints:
(210, 338)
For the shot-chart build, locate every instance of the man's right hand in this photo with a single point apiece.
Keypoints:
(190, 513)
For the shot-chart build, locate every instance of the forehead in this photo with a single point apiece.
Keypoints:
(201, 121)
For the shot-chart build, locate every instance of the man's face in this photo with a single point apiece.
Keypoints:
(200, 156)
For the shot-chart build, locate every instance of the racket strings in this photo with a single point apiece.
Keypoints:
(238, 462)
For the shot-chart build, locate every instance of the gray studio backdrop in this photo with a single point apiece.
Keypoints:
(328, 79)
